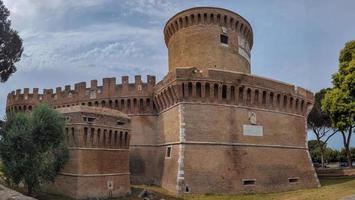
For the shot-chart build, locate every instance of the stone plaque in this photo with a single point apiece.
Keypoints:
(110, 185)
(252, 130)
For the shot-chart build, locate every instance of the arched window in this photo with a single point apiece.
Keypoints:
(85, 135)
(215, 91)
(285, 101)
(291, 103)
(104, 138)
(115, 139)
(232, 94)
(198, 89)
(98, 137)
(224, 92)
(121, 139)
(122, 104)
(271, 103)
(263, 102)
(103, 103)
(249, 96)
(92, 136)
(147, 102)
(190, 89)
(141, 107)
(207, 90)
(110, 138)
(240, 92)
(126, 139)
(134, 104)
(256, 97)
(128, 105)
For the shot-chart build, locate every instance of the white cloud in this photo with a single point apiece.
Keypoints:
(154, 8)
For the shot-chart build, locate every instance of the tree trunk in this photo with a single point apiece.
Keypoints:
(29, 190)
(348, 156)
(322, 157)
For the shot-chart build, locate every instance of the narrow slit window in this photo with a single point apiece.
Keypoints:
(168, 152)
(293, 180)
(249, 182)
(224, 39)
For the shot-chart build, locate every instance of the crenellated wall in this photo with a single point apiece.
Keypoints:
(230, 88)
(208, 126)
(127, 97)
(98, 164)
(207, 37)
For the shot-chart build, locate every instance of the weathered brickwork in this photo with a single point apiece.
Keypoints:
(98, 140)
(208, 126)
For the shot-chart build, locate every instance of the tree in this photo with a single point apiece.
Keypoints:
(319, 122)
(32, 148)
(10, 45)
(339, 102)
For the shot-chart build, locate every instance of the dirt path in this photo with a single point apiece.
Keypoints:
(8, 194)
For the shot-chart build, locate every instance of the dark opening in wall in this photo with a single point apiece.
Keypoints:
(168, 152)
(89, 119)
(293, 180)
(187, 189)
(120, 123)
(248, 181)
(224, 39)
(224, 92)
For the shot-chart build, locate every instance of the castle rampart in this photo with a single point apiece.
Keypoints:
(128, 97)
(208, 126)
(189, 84)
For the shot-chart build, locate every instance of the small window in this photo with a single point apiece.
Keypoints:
(187, 189)
(89, 119)
(168, 152)
(120, 123)
(224, 39)
(249, 182)
(293, 180)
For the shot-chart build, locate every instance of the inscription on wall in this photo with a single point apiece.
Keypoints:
(252, 130)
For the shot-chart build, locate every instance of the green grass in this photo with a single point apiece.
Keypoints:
(332, 189)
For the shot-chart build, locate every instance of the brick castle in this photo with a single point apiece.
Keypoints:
(208, 127)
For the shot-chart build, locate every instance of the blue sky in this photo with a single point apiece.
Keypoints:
(69, 41)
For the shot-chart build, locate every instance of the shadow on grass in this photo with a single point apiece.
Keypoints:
(334, 181)
(158, 193)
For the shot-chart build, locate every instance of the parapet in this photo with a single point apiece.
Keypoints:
(80, 91)
(231, 88)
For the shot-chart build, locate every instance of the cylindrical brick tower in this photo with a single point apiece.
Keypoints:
(207, 37)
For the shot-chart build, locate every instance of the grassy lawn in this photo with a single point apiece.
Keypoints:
(331, 189)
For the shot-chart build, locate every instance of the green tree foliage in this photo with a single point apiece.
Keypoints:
(339, 101)
(10, 45)
(32, 147)
(319, 122)
(330, 155)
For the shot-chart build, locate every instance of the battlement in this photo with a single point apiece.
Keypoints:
(208, 15)
(80, 92)
(207, 37)
(232, 88)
